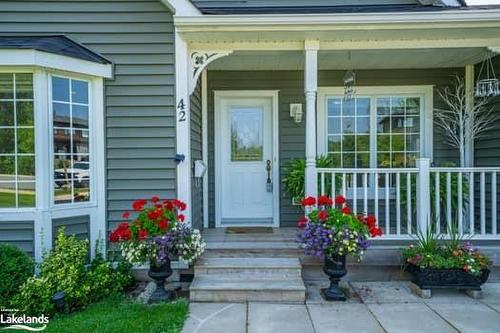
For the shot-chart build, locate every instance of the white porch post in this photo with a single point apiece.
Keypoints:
(469, 104)
(423, 194)
(311, 88)
(182, 80)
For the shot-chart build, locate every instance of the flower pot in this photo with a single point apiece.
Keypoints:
(159, 273)
(335, 269)
(432, 278)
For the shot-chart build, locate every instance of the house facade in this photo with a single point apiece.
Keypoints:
(106, 102)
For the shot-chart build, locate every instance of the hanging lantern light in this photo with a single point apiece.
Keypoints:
(490, 85)
(349, 82)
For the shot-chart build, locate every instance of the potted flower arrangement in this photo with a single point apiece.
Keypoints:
(158, 233)
(332, 231)
(435, 263)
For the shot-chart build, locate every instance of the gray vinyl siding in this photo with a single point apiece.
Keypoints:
(137, 36)
(18, 233)
(78, 226)
(292, 135)
(196, 154)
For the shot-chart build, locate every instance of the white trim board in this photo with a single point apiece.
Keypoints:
(426, 119)
(274, 95)
(35, 58)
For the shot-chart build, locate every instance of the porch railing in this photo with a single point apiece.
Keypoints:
(405, 200)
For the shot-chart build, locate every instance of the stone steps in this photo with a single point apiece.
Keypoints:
(247, 279)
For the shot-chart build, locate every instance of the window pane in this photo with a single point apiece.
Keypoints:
(62, 116)
(384, 124)
(348, 125)
(363, 143)
(7, 141)
(398, 160)
(62, 140)
(26, 194)
(82, 190)
(79, 91)
(26, 140)
(334, 107)
(348, 144)
(410, 160)
(247, 134)
(398, 124)
(349, 107)
(348, 160)
(362, 125)
(80, 141)
(80, 116)
(363, 106)
(60, 89)
(25, 113)
(6, 113)
(413, 105)
(383, 106)
(384, 160)
(334, 143)
(413, 142)
(363, 160)
(398, 106)
(6, 86)
(26, 168)
(412, 124)
(398, 143)
(7, 168)
(336, 160)
(7, 195)
(24, 86)
(63, 191)
(383, 143)
(334, 125)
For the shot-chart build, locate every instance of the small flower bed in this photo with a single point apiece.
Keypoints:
(330, 228)
(452, 255)
(158, 232)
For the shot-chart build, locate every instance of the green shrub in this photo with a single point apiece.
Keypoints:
(15, 268)
(65, 269)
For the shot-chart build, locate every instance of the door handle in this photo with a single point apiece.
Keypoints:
(269, 182)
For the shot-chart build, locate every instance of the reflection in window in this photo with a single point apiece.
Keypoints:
(17, 141)
(247, 126)
(70, 107)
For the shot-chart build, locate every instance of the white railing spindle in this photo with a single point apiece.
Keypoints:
(408, 205)
(365, 192)
(494, 203)
(471, 203)
(387, 203)
(398, 204)
(482, 191)
(448, 201)
(460, 203)
(437, 204)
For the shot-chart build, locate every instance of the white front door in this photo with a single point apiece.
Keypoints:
(245, 161)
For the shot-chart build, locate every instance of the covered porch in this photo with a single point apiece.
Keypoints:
(388, 157)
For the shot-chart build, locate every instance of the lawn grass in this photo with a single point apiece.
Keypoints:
(117, 314)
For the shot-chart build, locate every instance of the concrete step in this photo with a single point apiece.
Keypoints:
(212, 288)
(250, 268)
(252, 249)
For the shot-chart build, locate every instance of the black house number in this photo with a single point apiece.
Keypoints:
(181, 107)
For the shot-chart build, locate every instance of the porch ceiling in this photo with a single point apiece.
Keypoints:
(359, 59)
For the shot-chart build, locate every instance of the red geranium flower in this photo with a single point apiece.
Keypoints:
(168, 204)
(143, 233)
(155, 199)
(325, 201)
(375, 231)
(181, 217)
(113, 237)
(346, 210)
(302, 222)
(126, 215)
(371, 221)
(163, 224)
(323, 215)
(138, 205)
(309, 201)
(339, 200)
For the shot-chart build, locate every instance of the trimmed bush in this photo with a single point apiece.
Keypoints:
(65, 269)
(15, 268)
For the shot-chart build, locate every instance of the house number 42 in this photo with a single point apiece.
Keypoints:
(181, 110)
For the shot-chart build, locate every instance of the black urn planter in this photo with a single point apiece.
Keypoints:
(431, 278)
(159, 273)
(335, 269)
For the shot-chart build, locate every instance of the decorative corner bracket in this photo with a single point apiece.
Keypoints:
(199, 61)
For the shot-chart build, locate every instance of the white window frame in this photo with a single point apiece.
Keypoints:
(425, 92)
(43, 66)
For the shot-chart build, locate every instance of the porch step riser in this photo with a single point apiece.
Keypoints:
(248, 272)
(260, 253)
(239, 296)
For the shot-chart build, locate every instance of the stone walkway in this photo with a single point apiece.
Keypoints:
(373, 307)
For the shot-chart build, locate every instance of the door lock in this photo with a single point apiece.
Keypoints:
(269, 183)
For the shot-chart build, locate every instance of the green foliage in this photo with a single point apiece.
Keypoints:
(295, 170)
(65, 269)
(431, 251)
(15, 268)
(117, 314)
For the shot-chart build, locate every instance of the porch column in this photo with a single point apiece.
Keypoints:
(469, 104)
(310, 88)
